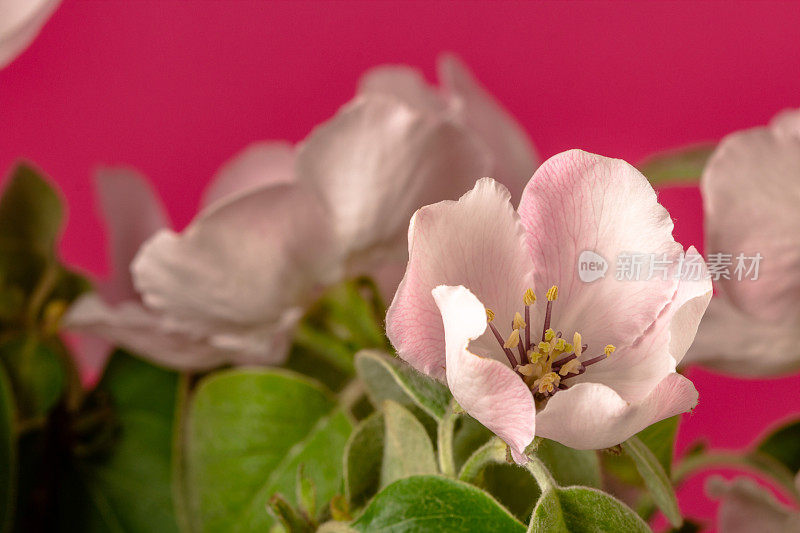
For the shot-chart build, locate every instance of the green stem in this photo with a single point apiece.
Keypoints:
(43, 288)
(492, 452)
(445, 443)
(543, 477)
(750, 461)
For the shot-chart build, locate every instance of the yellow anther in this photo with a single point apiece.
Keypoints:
(570, 367)
(547, 383)
(544, 347)
(534, 355)
(549, 334)
(528, 370)
(609, 349)
(513, 340)
(529, 298)
(577, 344)
(567, 348)
(489, 314)
(519, 323)
(552, 294)
(560, 345)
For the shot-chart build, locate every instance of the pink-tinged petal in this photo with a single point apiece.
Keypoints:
(134, 328)
(488, 390)
(513, 153)
(747, 507)
(633, 371)
(734, 342)
(241, 266)
(90, 354)
(592, 416)
(787, 122)
(477, 242)
(751, 193)
(133, 213)
(376, 162)
(20, 22)
(404, 83)
(260, 164)
(576, 202)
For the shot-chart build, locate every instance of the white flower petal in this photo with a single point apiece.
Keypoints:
(734, 342)
(747, 507)
(633, 371)
(477, 242)
(591, 416)
(512, 151)
(488, 390)
(376, 162)
(20, 22)
(242, 267)
(405, 83)
(262, 163)
(133, 213)
(134, 328)
(576, 202)
(751, 192)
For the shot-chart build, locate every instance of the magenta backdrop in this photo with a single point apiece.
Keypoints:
(175, 88)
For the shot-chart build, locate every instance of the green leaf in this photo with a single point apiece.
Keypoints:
(655, 478)
(432, 503)
(407, 448)
(488, 468)
(783, 445)
(248, 432)
(291, 520)
(583, 510)
(306, 493)
(569, 466)
(36, 373)
(386, 378)
(30, 276)
(660, 439)
(127, 488)
(30, 213)
(468, 437)
(684, 165)
(363, 457)
(8, 453)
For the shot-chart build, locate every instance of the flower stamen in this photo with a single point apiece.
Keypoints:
(529, 298)
(552, 295)
(490, 319)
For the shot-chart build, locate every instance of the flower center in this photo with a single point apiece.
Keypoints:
(546, 365)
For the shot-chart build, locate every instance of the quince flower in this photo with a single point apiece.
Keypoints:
(133, 213)
(746, 506)
(20, 22)
(246, 268)
(585, 364)
(751, 189)
(466, 101)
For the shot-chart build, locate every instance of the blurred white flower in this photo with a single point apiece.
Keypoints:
(242, 273)
(463, 98)
(751, 193)
(746, 507)
(133, 213)
(20, 22)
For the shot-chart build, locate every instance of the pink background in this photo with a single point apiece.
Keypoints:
(175, 88)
